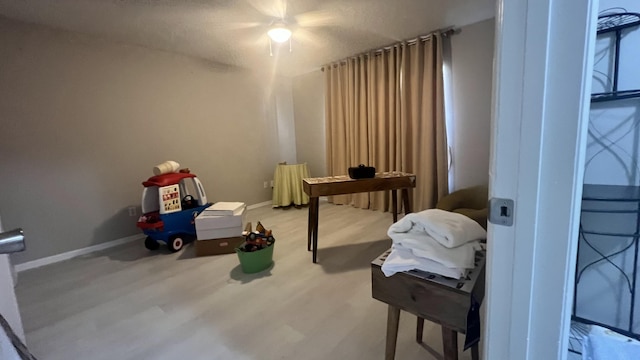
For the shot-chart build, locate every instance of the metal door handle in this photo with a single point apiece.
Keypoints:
(12, 241)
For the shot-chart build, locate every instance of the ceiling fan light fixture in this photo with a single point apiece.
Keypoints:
(279, 33)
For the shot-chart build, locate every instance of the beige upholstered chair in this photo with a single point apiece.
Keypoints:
(471, 202)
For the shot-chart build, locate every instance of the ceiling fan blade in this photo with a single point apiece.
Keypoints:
(316, 18)
(240, 25)
(275, 8)
(310, 38)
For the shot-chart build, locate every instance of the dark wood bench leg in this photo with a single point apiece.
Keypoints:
(393, 319)
(449, 344)
(475, 352)
(419, 329)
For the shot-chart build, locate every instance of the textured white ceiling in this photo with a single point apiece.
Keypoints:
(233, 32)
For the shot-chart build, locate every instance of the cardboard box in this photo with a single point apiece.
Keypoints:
(219, 227)
(218, 246)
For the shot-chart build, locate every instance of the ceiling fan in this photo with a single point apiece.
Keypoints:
(278, 21)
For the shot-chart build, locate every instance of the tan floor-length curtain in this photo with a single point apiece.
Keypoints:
(347, 139)
(386, 109)
(423, 116)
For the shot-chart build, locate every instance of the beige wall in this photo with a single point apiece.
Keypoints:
(308, 105)
(284, 113)
(83, 121)
(472, 76)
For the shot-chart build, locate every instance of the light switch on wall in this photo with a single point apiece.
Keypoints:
(501, 211)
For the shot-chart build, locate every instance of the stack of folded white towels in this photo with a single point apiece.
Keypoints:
(436, 241)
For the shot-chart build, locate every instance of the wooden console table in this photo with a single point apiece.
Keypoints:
(339, 185)
(445, 301)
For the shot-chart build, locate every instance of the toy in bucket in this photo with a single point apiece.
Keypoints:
(256, 253)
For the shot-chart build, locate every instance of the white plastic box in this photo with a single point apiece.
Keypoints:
(210, 227)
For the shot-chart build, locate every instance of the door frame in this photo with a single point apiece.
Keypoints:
(541, 90)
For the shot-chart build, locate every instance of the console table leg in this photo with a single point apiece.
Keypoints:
(419, 329)
(405, 201)
(449, 344)
(314, 234)
(393, 319)
(310, 222)
(394, 205)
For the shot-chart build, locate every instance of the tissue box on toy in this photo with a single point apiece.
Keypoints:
(210, 224)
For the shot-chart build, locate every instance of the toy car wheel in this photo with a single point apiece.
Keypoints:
(151, 244)
(270, 239)
(175, 243)
(252, 236)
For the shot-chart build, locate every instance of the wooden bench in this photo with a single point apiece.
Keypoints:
(433, 297)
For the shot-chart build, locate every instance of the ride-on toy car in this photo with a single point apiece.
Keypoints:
(170, 204)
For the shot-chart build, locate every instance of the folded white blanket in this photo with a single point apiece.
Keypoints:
(424, 246)
(448, 228)
(401, 259)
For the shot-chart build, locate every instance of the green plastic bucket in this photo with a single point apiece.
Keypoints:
(256, 261)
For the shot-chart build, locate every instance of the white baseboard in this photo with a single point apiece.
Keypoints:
(74, 253)
(255, 206)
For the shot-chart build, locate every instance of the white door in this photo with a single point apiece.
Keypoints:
(542, 80)
(8, 303)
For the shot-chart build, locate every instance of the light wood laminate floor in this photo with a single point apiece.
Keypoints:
(129, 303)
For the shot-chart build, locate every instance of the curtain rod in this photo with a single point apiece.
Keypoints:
(446, 32)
